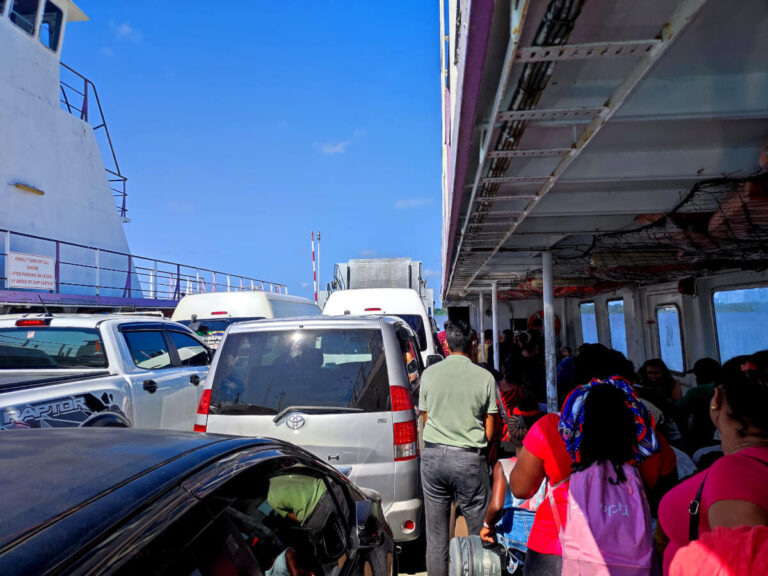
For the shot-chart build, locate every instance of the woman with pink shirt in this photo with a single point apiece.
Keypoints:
(734, 490)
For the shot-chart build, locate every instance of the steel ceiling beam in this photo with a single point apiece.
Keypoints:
(548, 115)
(682, 16)
(528, 153)
(587, 51)
(505, 198)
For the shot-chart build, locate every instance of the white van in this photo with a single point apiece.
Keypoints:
(404, 303)
(210, 314)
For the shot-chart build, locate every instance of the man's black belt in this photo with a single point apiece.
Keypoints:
(449, 447)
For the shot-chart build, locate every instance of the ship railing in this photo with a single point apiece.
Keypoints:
(77, 94)
(78, 269)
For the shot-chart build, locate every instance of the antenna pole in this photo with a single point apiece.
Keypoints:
(319, 284)
(314, 269)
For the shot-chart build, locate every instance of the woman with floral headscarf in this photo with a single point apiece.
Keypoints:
(553, 445)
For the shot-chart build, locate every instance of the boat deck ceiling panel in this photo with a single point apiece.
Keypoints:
(699, 112)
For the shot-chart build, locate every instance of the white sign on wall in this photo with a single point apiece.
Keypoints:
(31, 271)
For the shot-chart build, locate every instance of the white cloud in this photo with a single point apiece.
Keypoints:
(429, 273)
(330, 148)
(339, 147)
(106, 51)
(181, 207)
(305, 284)
(124, 31)
(411, 202)
(368, 253)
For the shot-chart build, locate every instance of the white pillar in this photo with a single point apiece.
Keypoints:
(549, 331)
(480, 329)
(495, 324)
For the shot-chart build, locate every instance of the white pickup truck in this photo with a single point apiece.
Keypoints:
(99, 370)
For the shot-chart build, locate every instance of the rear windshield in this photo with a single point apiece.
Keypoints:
(205, 327)
(267, 372)
(45, 347)
(417, 325)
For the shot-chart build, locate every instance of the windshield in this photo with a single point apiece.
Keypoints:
(417, 325)
(266, 372)
(210, 326)
(42, 347)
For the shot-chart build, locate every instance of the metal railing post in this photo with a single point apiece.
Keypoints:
(57, 268)
(98, 273)
(7, 258)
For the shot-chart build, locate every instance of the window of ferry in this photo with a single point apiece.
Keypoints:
(24, 14)
(50, 28)
(741, 318)
(617, 325)
(588, 323)
(670, 339)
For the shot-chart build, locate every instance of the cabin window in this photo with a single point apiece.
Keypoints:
(588, 323)
(670, 337)
(24, 14)
(2, 7)
(617, 325)
(741, 320)
(50, 28)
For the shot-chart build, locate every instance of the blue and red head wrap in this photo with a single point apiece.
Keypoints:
(572, 419)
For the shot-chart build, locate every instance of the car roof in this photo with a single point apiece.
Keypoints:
(79, 320)
(50, 475)
(349, 321)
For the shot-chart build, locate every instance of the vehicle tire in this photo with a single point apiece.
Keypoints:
(106, 420)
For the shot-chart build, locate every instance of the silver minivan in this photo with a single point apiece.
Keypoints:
(341, 387)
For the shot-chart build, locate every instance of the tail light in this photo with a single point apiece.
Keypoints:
(201, 419)
(36, 322)
(404, 430)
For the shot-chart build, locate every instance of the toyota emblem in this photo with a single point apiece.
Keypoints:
(295, 421)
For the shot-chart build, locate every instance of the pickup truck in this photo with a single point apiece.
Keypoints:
(99, 370)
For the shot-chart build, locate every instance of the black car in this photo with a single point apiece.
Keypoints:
(115, 501)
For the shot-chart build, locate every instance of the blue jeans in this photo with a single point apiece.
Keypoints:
(449, 475)
(512, 533)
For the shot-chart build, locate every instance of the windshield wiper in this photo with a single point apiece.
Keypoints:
(320, 409)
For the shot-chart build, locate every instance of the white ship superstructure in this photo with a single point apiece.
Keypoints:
(61, 236)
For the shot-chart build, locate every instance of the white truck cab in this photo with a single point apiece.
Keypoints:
(404, 303)
(89, 369)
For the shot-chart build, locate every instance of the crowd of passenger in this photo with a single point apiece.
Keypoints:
(634, 475)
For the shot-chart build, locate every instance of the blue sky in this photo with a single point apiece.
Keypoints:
(243, 126)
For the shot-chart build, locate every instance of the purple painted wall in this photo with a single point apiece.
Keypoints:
(480, 15)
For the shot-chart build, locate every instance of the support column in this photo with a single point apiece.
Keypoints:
(495, 324)
(549, 331)
(481, 329)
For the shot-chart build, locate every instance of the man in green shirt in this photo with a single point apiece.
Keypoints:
(458, 401)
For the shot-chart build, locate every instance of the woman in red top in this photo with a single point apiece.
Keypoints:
(545, 454)
(734, 490)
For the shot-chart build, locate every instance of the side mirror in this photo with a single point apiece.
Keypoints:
(369, 529)
(433, 359)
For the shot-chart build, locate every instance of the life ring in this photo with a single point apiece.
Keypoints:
(536, 322)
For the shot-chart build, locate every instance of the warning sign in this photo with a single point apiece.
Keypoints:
(31, 271)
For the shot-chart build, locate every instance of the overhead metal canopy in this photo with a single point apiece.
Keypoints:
(632, 108)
